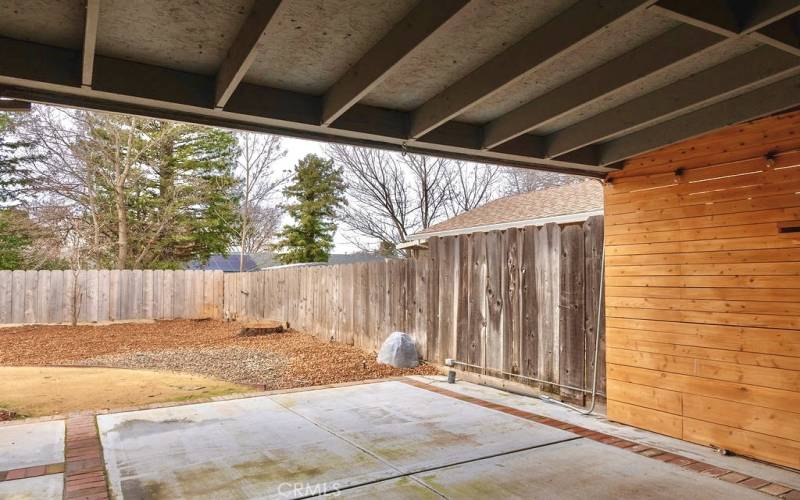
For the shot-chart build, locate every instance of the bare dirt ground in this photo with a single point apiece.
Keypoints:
(208, 348)
(31, 391)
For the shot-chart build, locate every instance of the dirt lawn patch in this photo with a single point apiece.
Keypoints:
(38, 391)
(207, 348)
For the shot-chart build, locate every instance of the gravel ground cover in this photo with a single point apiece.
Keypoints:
(210, 348)
(242, 364)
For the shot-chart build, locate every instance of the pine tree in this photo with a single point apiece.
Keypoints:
(13, 241)
(189, 201)
(155, 194)
(317, 189)
(12, 160)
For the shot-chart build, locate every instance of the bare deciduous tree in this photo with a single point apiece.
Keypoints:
(77, 151)
(379, 203)
(119, 144)
(471, 186)
(431, 185)
(58, 176)
(393, 196)
(260, 217)
(522, 180)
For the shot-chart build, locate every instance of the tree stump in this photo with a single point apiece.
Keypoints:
(261, 328)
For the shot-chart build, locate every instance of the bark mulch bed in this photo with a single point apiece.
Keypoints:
(206, 347)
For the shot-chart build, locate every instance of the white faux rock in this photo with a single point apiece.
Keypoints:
(399, 350)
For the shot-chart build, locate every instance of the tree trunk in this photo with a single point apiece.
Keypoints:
(76, 297)
(122, 229)
(243, 239)
(245, 215)
(241, 251)
(96, 254)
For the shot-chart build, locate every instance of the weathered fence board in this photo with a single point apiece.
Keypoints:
(593, 250)
(519, 301)
(572, 347)
(109, 295)
(529, 305)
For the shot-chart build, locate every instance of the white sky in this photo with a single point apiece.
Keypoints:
(295, 150)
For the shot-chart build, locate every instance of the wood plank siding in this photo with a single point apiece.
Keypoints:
(703, 290)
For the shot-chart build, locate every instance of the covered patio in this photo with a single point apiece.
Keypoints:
(687, 110)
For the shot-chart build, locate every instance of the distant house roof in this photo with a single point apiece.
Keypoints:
(573, 202)
(264, 260)
(228, 264)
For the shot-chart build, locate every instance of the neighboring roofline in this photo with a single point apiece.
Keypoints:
(539, 221)
(296, 264)
(411, 244)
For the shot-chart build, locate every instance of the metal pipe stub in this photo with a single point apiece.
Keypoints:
(451, 374)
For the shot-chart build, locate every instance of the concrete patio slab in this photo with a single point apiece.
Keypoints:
(26, 445)
(402, 488)
(578, 469)
(35, 488)
(247, 448)
(414, 429)
(388, 439)
(599, 423)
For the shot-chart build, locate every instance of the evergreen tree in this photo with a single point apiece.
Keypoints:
(25, 244)
(190, 201)
(13, 241)
(136, 193)
(12, 159)
(317, 189)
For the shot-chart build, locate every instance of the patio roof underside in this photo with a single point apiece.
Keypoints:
(559, 85)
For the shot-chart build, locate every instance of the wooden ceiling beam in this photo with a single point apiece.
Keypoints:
(241, 54)
(575, 25)
(661, 52)
(14, 105)
(138, 88)
(710, 15)
(740, 74)
(89, 41)
(767, 12)
(416, 27)
(763, 101)
(783, 34)
(772, 22)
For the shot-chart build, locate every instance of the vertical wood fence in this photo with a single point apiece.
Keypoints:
(108, 295)
(521, 301)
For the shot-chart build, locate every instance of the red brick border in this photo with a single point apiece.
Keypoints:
(701, 468)
(85, 476)
(33, 471)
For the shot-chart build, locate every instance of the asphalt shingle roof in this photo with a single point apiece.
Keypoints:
(575, 198)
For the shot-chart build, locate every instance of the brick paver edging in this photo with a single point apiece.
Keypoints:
(701, 468)
(85, 471)
(33, 471)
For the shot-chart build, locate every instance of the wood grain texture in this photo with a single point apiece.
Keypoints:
(703, 290)
(572, 327)
(44, 297)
